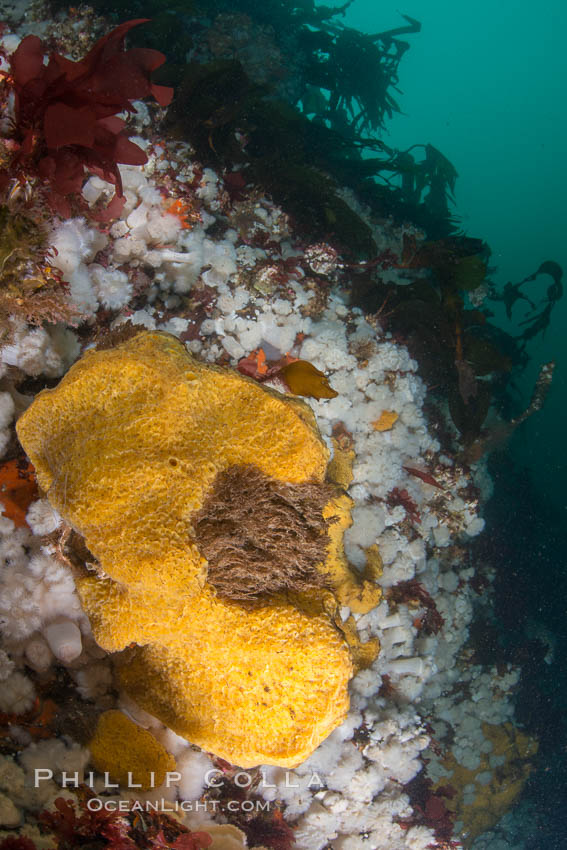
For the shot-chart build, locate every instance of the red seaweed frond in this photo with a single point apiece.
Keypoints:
(70, 827)
(75, 825)
(430, 809)
(402, 497)
(269, 831)
(424, 476)
(412, 591)
(65, 120)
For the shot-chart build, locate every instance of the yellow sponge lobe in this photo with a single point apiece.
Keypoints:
(129, 754)
(131, 439)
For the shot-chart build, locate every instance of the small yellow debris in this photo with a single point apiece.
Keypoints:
(339, 470)
(360, 594)
(374, 566)
(128, 753)
(385, 421)
(363, 654)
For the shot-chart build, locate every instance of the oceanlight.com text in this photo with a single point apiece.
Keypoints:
(95, 804)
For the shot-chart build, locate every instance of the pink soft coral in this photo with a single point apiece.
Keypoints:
(66, 120)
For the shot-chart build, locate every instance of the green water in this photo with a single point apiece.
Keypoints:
(484, 82)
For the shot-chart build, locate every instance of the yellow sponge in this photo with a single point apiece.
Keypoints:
(127, 447)
(129, 754)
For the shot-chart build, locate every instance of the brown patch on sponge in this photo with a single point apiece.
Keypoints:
(261, 536)
(108, 338)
